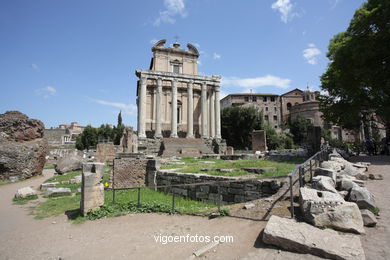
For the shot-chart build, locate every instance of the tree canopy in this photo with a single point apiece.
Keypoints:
(357, 77)
(238, 124)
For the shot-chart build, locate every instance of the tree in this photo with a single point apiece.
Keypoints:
(299, 128)
(118, 130)
(358, 76)
(87, 139)
(238, 124)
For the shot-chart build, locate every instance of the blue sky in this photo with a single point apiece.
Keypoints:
(63, 61)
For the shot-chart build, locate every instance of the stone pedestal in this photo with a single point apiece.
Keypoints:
(92, 190)
(259, 141)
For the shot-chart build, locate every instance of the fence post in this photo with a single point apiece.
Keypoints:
(301, 176)
(113, 184)
(291, 197)
(219, 197)
(311, 171)
(139, 196)
(173, 202)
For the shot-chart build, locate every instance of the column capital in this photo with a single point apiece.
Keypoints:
(143, 79)
(159, 81)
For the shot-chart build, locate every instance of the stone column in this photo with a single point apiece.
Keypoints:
(190, 111)
(204, 109)
(158, 109)
(212, 113)
(218, 113)
(142, 108)
(174, 109)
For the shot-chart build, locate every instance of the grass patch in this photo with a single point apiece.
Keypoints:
(375, 211)
(49, 166)
(64, 177)
(22, 201)
(193, 165)
(56, 206)
(4, 182)
(162, 202)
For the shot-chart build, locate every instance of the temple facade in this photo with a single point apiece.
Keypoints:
(173, 100)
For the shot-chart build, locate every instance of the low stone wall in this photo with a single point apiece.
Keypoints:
(231, 192)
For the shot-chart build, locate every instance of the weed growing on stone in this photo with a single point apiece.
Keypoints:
(22, 201)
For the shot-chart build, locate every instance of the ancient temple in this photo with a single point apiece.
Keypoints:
(173, 100)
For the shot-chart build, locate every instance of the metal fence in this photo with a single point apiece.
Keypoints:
(304, 171)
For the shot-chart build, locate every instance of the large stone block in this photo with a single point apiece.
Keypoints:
(25, 192)
(328, 209)
(362, 197)
(324, 183)
(326, 172)
(303, 238)
(333, 165)
(92, 190)
(68, 163)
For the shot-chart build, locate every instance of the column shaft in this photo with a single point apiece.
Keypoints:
(212, 113)
(190, 111)
(174, 110)
(217, 113)
(142, 108)
(204, 109)
(158, 109)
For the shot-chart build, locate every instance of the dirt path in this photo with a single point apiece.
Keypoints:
(377, 240)
(132, 236)
(127, 237)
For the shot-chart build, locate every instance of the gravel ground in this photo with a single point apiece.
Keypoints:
(132, 236)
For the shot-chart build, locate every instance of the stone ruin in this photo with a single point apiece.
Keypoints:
(22, 147)
(92, 188)
(337, 199)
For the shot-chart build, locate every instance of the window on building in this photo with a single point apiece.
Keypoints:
(288, 106)
(254, 99)
(276, 127)
(266, 118)
(176, 68)
(265, 99)
(246, 99)
(266, 108)
(272, 99)
(275, 118)
(275, 109)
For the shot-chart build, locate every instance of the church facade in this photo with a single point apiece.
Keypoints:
(173, 100)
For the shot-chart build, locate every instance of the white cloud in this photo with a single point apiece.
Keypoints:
(285, 9)
(199, 62)
(311, 54)
(34, 66)
(172, 9)
(253, 83)
(46, 92)
(216, 56)
(334, 3)
(129, 109)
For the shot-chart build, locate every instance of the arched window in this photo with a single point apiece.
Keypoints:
(288, 106)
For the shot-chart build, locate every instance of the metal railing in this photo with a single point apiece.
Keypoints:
(307, 167)
(302, 169)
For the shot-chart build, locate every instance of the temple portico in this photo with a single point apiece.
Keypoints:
(173, 101)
